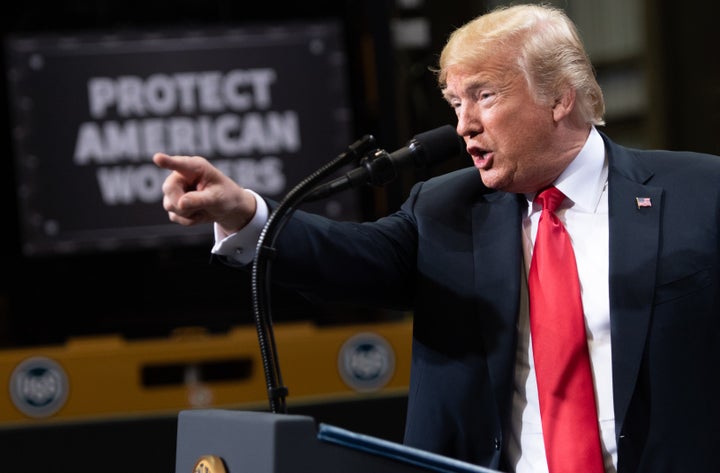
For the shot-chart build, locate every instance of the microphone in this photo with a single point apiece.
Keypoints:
(424, 149)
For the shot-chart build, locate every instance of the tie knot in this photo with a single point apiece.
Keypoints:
(550, 198)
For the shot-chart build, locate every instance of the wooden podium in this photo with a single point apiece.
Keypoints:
(226, 441)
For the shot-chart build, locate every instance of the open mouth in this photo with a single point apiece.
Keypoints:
(482, 158)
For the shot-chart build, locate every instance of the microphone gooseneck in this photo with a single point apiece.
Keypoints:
(260, 275)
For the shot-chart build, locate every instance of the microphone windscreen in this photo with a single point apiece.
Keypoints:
(437, 145)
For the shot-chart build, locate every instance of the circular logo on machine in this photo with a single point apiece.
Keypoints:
(38, 387)
(366, 362)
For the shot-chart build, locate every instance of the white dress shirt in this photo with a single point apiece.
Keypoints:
(585, 215)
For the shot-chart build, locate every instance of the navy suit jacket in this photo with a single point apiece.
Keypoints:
(453, 256)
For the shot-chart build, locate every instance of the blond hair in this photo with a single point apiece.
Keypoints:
(547, 49)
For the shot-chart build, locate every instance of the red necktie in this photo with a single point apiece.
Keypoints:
(562, 363)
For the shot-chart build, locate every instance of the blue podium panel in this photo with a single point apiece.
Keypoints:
(375, 446)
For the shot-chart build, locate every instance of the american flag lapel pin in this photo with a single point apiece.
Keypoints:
(643, 202)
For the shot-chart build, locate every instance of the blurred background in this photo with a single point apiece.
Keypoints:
(112, 319)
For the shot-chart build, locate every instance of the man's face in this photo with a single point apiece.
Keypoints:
(508, 134)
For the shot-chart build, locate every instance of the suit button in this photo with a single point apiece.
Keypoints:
(496, 443)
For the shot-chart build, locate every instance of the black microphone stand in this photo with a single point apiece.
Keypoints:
(265, 250)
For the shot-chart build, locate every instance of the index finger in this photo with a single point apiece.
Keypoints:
(182, 164)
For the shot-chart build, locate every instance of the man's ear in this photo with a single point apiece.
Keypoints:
(564, 104)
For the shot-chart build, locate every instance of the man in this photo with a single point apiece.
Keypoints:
(645, 230)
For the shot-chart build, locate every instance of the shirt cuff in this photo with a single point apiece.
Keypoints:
(239, 247)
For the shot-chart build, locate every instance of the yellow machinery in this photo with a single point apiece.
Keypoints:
(101, 377)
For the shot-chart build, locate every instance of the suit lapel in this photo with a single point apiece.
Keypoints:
(497, 253)
(634, 240)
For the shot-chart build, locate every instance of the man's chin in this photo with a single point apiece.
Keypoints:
(490, 179)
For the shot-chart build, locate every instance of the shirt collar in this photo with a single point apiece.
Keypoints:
(588, 166)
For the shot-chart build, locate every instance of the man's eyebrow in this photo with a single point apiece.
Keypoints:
(469, 88)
